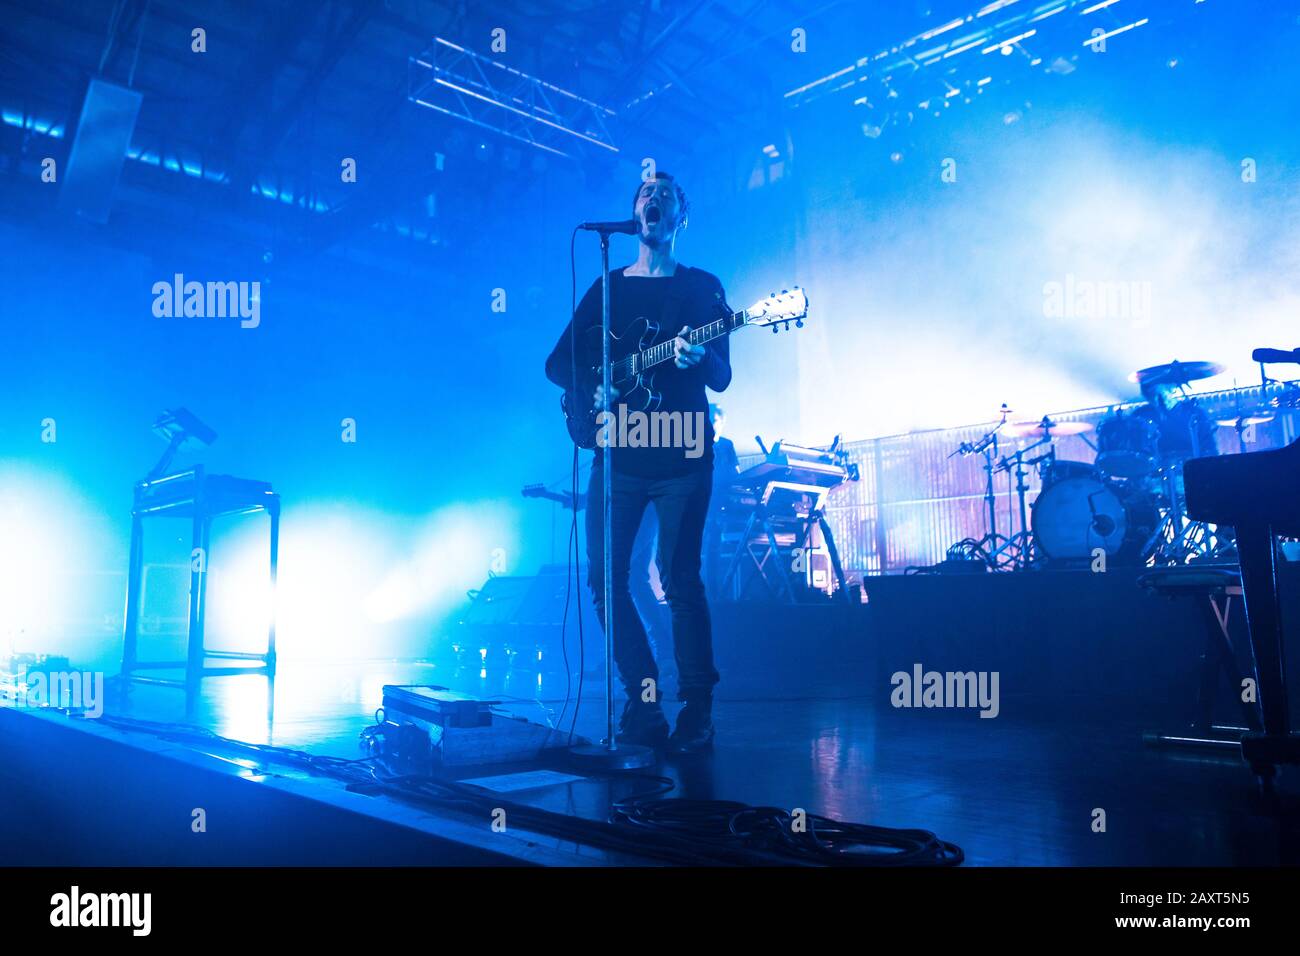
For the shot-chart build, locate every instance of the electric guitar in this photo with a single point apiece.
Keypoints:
(643, 348)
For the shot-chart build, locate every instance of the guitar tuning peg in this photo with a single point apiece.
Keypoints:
(798, 323)
(785, 291)
(775, 329)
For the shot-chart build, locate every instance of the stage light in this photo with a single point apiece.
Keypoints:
(1101, 38)
(331, 557)
(1049, 13)
(353, 580)
(1007, 44)
(51, 540)
(962, 49)
(452, 552)
(28, 559)
(950, 25)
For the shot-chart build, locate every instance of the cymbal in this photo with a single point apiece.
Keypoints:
(1176, 373)
(1045, 427)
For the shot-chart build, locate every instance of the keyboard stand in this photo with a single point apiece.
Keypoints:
(1214, 591)
(775, 513)
(200, 498)
(1256, 494)
(1276, 743)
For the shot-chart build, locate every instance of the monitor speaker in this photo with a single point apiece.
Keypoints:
(108, 117)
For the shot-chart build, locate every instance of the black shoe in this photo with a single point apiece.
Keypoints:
(643, 724)
(694, 733)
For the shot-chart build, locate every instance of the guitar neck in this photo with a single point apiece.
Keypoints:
(559, 497)
(663, 352)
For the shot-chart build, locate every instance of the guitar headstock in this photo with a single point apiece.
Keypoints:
(779, 309)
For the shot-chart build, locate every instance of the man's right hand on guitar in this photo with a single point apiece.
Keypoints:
(599, 397)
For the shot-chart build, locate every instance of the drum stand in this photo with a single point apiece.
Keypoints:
(992, 545)
(1176, 540)
(1020, 546)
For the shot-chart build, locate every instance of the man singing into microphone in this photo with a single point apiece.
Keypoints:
(675, 481)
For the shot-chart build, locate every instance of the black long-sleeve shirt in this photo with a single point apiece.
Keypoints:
(631, 297)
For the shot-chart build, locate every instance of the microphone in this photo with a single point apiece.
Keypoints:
(1103, 524)
(1275, 355)
(626, 226)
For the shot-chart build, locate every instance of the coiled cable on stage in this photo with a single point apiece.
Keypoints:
(789, 836)
(645, 824)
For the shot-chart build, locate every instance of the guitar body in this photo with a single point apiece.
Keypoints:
(642, 349)
(635, 390)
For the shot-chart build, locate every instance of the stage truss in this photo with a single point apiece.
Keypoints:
(475, 89)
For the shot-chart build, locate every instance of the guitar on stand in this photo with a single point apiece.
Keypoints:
(564, 498)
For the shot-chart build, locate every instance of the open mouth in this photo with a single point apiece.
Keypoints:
(652, 215)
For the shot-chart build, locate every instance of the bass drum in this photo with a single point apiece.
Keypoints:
(1075, 516)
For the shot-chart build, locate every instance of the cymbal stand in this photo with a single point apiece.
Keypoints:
(989, 546)
(1019, 546)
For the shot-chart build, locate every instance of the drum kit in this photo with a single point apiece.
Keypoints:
(1126, 507)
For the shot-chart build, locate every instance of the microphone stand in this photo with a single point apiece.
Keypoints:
(609, 755)
(992, 544)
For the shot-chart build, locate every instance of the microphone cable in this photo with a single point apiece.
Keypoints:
(645, 824)
(574, 556)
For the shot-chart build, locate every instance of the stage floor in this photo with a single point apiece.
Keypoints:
(1011, 791)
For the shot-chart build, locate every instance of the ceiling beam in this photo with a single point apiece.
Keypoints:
(280, 123)
(248, 91)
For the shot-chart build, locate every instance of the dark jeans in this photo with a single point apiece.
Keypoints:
(652, 610)
(681, 505)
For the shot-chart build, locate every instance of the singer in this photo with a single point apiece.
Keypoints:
(675, 484)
